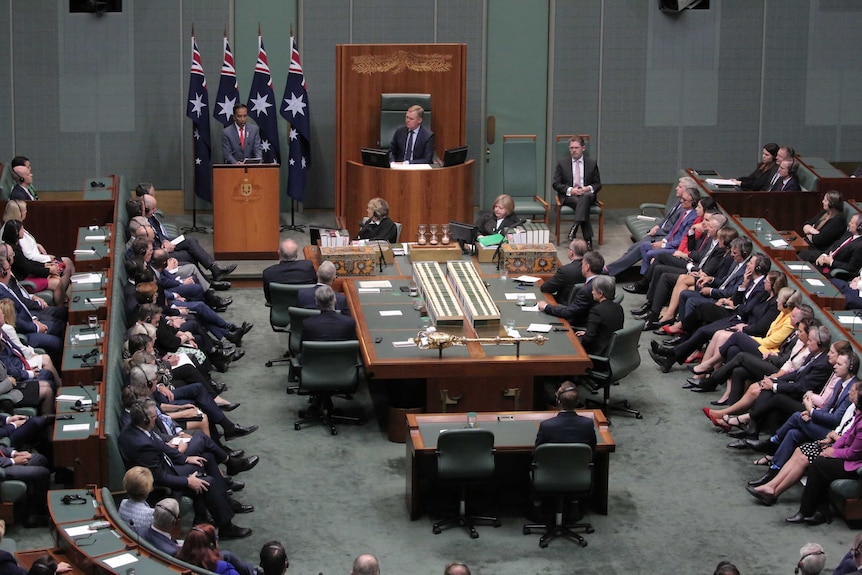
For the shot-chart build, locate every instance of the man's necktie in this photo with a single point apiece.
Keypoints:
(844, 243)
(242, 138)
(576, 173)
(774, 179)
(408, 151)
(836, 393)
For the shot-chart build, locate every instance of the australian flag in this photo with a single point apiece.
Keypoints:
(260, 100)
(295, 110)
(228, 90)
(196, 109)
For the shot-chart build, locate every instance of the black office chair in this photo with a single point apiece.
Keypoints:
(562, 470)
(465, 456)
(282, 297)
(294, 342)
(622, 359)
(328, 368)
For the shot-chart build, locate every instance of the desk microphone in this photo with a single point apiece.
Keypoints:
(89, 300)
(96, 252)
(382, 259)
(498, 255)
(95, 184)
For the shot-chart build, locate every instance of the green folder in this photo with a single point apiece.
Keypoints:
(491, 240)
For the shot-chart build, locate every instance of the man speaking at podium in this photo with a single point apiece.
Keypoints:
(240, 140)
(411, 143)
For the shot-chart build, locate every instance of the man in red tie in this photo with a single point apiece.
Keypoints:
(845, 253)
(240, 140)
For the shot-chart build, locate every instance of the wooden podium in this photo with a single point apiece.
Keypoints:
(246, 211)
(414, 196)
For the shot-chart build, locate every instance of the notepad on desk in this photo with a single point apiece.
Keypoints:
(540, 327)
(378, 284)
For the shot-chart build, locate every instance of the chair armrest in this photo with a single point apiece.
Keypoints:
(840, 273)
(650, 206)
(541, 201)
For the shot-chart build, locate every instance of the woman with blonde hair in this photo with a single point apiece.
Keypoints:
(378, 226)
(35, 360)
(135, 511)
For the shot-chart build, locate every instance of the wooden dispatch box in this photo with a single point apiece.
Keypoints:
(439, 253)
(352, 260)
(530, 258)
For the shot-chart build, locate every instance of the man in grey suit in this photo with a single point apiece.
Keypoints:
(240, 140)
(577, 182)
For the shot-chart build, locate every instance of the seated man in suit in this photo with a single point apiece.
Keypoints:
(240, 140)
(565, 278)
(787, 180)
(845, 253)
(577, 183)
(605, 317)
(192, 475)
(33, 469)
(167, 514)
(325, 276)
(23, 177)
(567, 426)
(329, 325)
(289, 269)
(852, 290)
(412, 143)
(576, 311)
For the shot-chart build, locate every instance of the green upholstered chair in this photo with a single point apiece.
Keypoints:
(294, 342)
(328, 368)
(6, 182)
(622, 359)
(393, 107)
(282, 297)
(465, 456)
(520, 177)
(649, 214)
(561, 470)
(11, 490)
(398, 232)
(597, 209)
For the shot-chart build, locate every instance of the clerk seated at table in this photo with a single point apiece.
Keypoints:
(326, 273)
(378, 226)
(329, 325)
(567, 426)
(605, 317)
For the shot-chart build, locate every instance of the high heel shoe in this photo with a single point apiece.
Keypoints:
(691, 367)
(716, 422)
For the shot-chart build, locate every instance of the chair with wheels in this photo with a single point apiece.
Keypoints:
(520, 177)
(622, 359)
(563, 471)
(328, 368)
(294, 342)
(597, 209)
(465, 456)
(282, 297)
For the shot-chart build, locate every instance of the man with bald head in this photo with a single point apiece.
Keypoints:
(365, 565)
(289, 269)
(23, 176)
(188, 250)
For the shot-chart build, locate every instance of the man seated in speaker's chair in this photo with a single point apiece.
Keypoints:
(412, 143)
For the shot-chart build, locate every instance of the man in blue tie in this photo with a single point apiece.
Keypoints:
(412, 143)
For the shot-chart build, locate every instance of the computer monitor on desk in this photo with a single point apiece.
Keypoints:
(454, 156)
(375, 157)
(462, 232)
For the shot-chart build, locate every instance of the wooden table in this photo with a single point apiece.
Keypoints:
(514, 441)
(473, 377)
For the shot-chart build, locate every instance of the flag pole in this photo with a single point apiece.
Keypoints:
(194, 228)
(292, 227)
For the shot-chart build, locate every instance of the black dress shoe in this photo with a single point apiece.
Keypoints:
(238, 354)
(231, 531)
(796, 518)
(742, 434)
(222, 285)
(818, 518)
(644, 309)
(665, 363)
(218, 308)
(235, 337)
(221, 363)
(235, 452)
(764, 498)
(672, 342)
(236, 465)
(240, 431)
(220, 272)
(662, 351)
(763, 446)
(701, 389)
(238, 507)
(718, 403)
(765, 478)
(218, 386)
(637, 288)
(739, 444)
(229, 406)
(691, 382)
(235, 485)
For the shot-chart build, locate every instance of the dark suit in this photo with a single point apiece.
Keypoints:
(604, 319)
(790, 185)
(19, 192)
(758, 180)
(295, 272)
(328, 326)
(565, 278)
(487, 224)
(153, 453)
(564, 179)
(576, 312)
(8, 564)
(188, 251)
(772, 408)
(234, 153)
(385, 229)
(567, 427)
(423, 147)
(848, 257)
(305, 298)
(163, 543)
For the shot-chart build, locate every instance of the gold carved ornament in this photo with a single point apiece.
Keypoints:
(397, 62)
